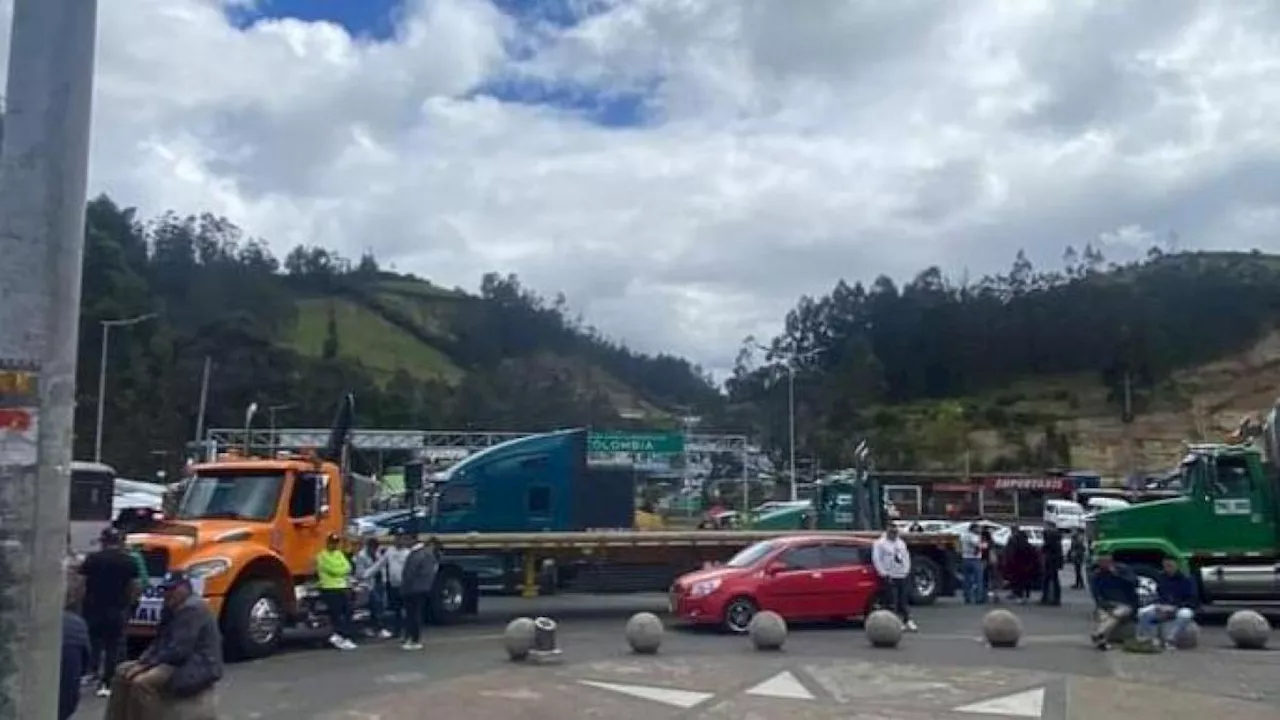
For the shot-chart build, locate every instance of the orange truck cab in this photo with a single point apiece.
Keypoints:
(247, 530)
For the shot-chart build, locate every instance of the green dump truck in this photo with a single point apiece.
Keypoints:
(1223, 527)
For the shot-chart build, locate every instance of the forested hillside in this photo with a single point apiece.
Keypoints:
(293, 334)
(1023, 370)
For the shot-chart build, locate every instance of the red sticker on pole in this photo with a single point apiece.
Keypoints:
(15, 419)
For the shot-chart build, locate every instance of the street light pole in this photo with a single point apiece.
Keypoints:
(102, 374)
(791, 412)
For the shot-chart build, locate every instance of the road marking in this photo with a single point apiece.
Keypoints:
(783, 685)
(1027, 704)
(684, 699)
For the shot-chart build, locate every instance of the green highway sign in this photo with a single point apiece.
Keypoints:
(640, 443)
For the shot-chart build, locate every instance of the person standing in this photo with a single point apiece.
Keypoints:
(1051, 582)
(1021, 565)
(991, 579)
(390, 565)
(76, 652)
(892, 562)
(1076, 554)
(369, 555)
(971, 568)
(111, 587)
(419, 577)
(181, 665)
(333, 571)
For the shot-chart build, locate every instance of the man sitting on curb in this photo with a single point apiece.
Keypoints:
(1176, 601)
(181, 666)
(1115, 590)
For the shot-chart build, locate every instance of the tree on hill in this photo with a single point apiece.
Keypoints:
(220, 295)
(866, 348)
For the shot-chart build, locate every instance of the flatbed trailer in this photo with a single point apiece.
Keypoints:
(621, 561)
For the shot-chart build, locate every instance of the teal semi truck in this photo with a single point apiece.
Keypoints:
(854, 502)
(532, 516)
(1223, 526)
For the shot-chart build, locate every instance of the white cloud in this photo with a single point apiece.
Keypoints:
(792, 143)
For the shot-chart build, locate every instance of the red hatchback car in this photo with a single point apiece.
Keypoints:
(800, 577)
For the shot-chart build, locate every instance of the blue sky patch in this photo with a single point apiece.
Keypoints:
(608, 108)
(376, 18)
(362, 18)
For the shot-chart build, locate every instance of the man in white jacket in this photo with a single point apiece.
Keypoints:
(892, 561)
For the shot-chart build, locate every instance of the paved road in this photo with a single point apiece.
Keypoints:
(825, 671)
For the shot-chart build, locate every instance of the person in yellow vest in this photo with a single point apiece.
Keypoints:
(333, 569)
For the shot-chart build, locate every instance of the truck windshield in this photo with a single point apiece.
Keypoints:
(241, 495)
(752, 554)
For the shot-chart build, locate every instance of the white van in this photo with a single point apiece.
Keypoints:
(1065, 514)
(1098, 504)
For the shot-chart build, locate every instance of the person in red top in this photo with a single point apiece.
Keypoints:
(1020, 565)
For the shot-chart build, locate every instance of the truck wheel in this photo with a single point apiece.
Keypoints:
(449, 598)
(253, 621)
(925, 581)
(738, 613)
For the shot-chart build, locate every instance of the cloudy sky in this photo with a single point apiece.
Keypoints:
(683, 170)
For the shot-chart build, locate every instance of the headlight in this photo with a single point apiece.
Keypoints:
(206, 569)
(704, 588)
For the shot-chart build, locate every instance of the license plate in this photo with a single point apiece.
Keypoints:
(152, 602)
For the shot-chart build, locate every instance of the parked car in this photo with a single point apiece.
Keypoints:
(999, 533)
(924, 526)
(1066, 514)
(800, 577)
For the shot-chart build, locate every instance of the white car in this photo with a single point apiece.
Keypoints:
(923, 526)
(999, 533)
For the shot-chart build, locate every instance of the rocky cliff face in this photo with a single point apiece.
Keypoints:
(1199, 404)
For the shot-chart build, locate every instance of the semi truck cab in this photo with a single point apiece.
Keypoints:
(1222, 529)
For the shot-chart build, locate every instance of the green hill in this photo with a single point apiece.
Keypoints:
(293, 334)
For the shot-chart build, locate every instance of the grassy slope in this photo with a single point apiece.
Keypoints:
(367, 337)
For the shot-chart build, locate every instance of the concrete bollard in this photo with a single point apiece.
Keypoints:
(518, 638)
(545, 646)
(768, 630)
(884, 629)
(1249, 630)
(644, 633)
(1001, 628)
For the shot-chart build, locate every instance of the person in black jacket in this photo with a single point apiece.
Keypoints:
(1115, 590)
(183, 662)
(416, 583)
(1050, 581)
(111, 587)
(76, 654)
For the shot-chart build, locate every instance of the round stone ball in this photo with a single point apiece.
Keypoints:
(768, 630)
(644, 633)
(1001, 628)
(884, 629)
(1189, 638)
(1248, 629)
(518, 638)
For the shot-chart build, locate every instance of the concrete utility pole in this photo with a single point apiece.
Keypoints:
(43, 169)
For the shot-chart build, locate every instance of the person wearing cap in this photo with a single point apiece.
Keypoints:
(390, 565)
(111, 587)
(182, 664)
(333, 571)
